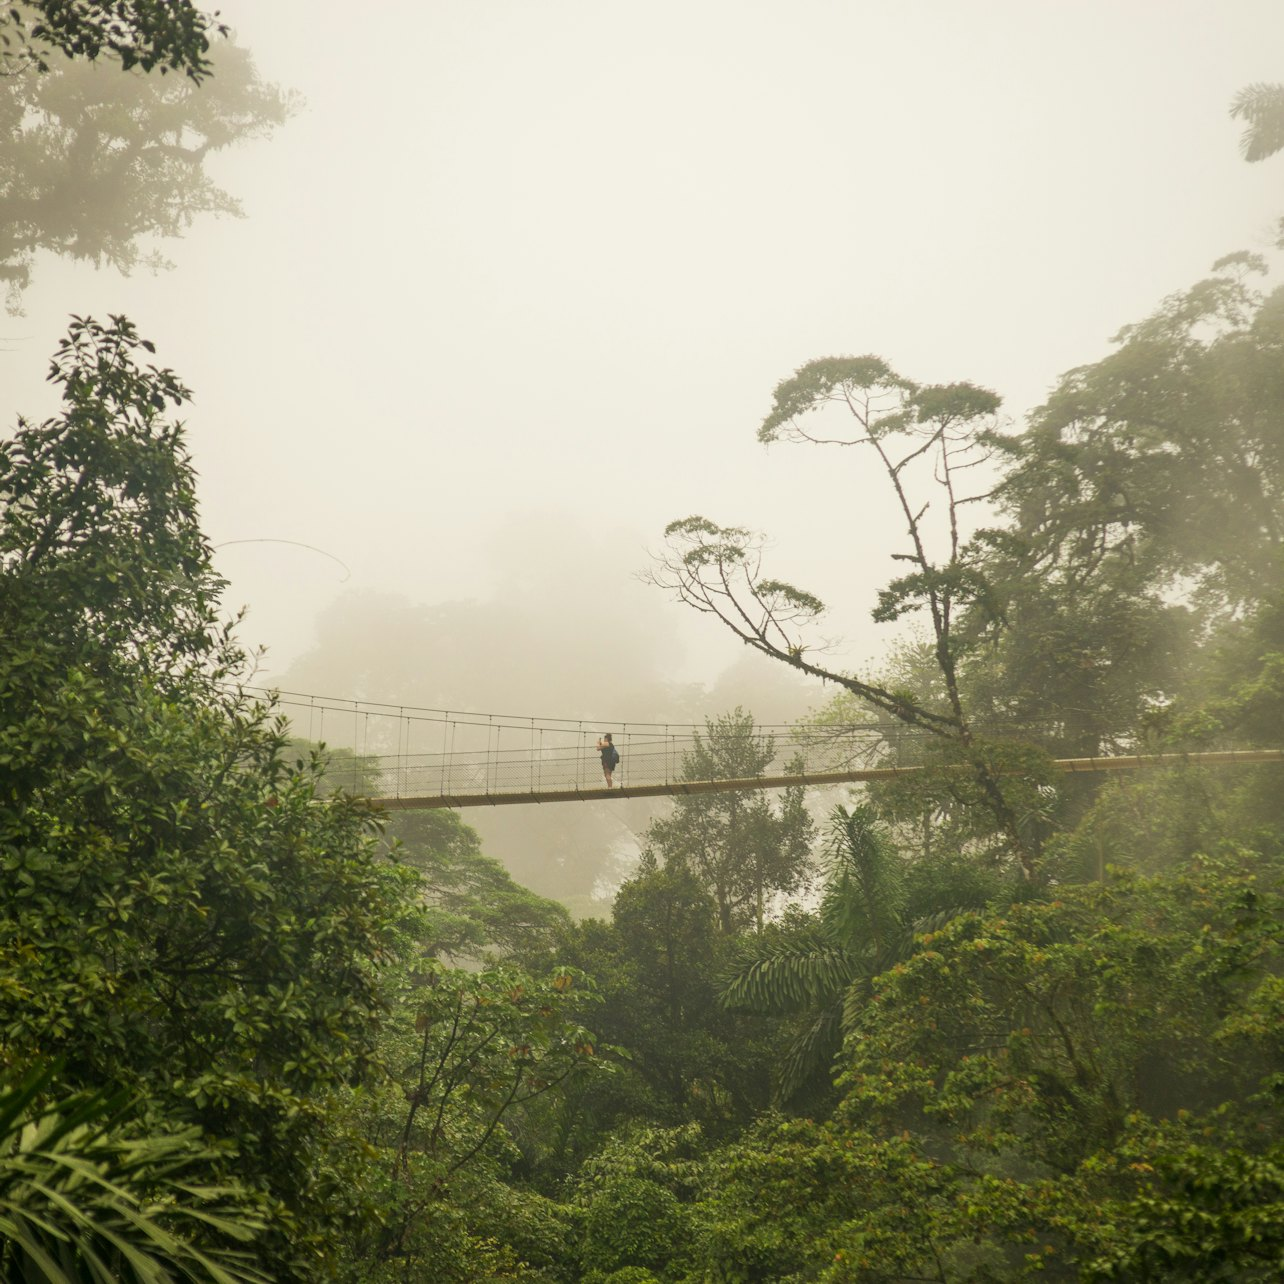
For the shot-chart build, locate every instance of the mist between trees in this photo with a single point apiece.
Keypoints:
(977, 1024)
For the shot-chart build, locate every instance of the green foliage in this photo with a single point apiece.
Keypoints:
(1144, 515)
(100, 543)
(474, 909)
(89, 1195)
(1196, 1211)
(683, 1057)
(637, 1193)
(470, 1056)
(864, 899)
(95, 161)
(633, 1222)
(742, 849)
(1027, 1026)
(183, 912)
(665, 947)
(868, 382)
(485, 1044)
(798, 1200)
(1077, 1089)
(818, 968)
(172, 35)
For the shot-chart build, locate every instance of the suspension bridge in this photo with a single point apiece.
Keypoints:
(407, 758)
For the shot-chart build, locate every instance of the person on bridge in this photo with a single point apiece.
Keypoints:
(610, 756)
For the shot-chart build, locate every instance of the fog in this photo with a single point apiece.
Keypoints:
(515, 286)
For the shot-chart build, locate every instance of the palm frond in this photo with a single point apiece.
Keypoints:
(865, 882)
(1262, 106)
(86, 1197)
(815, 1045)
(790, 973)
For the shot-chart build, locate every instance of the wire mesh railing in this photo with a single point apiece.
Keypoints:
(402, 756)
(394, 751)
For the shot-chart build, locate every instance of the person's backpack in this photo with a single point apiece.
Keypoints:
(614, 755)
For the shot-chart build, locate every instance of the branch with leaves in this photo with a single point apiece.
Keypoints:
(486, 1043)
(173, 35)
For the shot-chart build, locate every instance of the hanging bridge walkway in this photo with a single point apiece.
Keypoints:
(409, 758)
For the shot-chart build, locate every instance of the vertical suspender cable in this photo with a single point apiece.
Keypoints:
(401, 756)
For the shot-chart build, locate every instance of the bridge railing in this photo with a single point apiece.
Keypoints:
(398, 752)
(400, 755)
(644, 760)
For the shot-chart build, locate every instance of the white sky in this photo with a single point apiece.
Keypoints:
(547, 259)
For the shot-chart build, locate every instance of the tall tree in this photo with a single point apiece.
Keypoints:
(743, 849)
(1163, 461)
(663, 956)
(94, 162)
(941, 436)
(1145, 508)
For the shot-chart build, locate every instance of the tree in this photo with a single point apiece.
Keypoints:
(1052, 1038)
(493, 1041)
(686, 1059)
(474, 908)
(947, 431)
(795, 1199)
(1160, 468)
(95, 162)
(184, 912)
(741, 848)
(468, 1052)
(1144, 525)
(818, 969)
(637, 1193)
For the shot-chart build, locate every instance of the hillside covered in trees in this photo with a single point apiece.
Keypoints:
(982, 1023)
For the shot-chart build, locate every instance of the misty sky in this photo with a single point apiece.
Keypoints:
(515, 286)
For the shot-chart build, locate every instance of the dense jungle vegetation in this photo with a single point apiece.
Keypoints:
(987, 1023)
